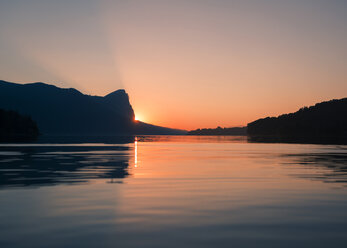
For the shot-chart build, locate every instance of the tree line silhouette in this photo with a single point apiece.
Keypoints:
(325, 122)
(16, 127)
(219, 131)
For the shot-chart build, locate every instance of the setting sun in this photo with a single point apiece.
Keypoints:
(138, 117)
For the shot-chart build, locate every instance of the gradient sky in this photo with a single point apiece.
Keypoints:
(185, 64)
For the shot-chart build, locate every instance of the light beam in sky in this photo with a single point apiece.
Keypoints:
(185, 64)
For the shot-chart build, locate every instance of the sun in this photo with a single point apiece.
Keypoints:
(138, 117)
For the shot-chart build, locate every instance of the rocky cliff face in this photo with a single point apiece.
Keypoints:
(68, 111)
(59, 111)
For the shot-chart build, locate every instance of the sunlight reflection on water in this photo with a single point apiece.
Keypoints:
(170, 191)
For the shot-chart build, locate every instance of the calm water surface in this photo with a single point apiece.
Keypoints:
(173, 191)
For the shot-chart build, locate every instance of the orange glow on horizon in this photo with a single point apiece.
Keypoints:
(204, 65)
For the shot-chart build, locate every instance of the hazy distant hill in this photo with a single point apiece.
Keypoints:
(220, 131)
(16, 127)
(67, 111)
(324, 122)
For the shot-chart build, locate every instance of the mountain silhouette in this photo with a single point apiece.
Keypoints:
(325, 122)
(59, 111)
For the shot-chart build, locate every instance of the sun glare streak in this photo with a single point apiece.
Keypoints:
(135, 149)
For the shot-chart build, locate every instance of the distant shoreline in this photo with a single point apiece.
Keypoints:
(234, 131)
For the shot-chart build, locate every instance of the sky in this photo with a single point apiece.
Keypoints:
(185, 63)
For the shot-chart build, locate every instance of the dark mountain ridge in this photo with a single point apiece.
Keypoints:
(59, 111)
(325, 122)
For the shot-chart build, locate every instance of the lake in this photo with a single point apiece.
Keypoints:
(172, 191)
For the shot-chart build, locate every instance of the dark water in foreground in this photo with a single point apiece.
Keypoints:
(167, 191)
